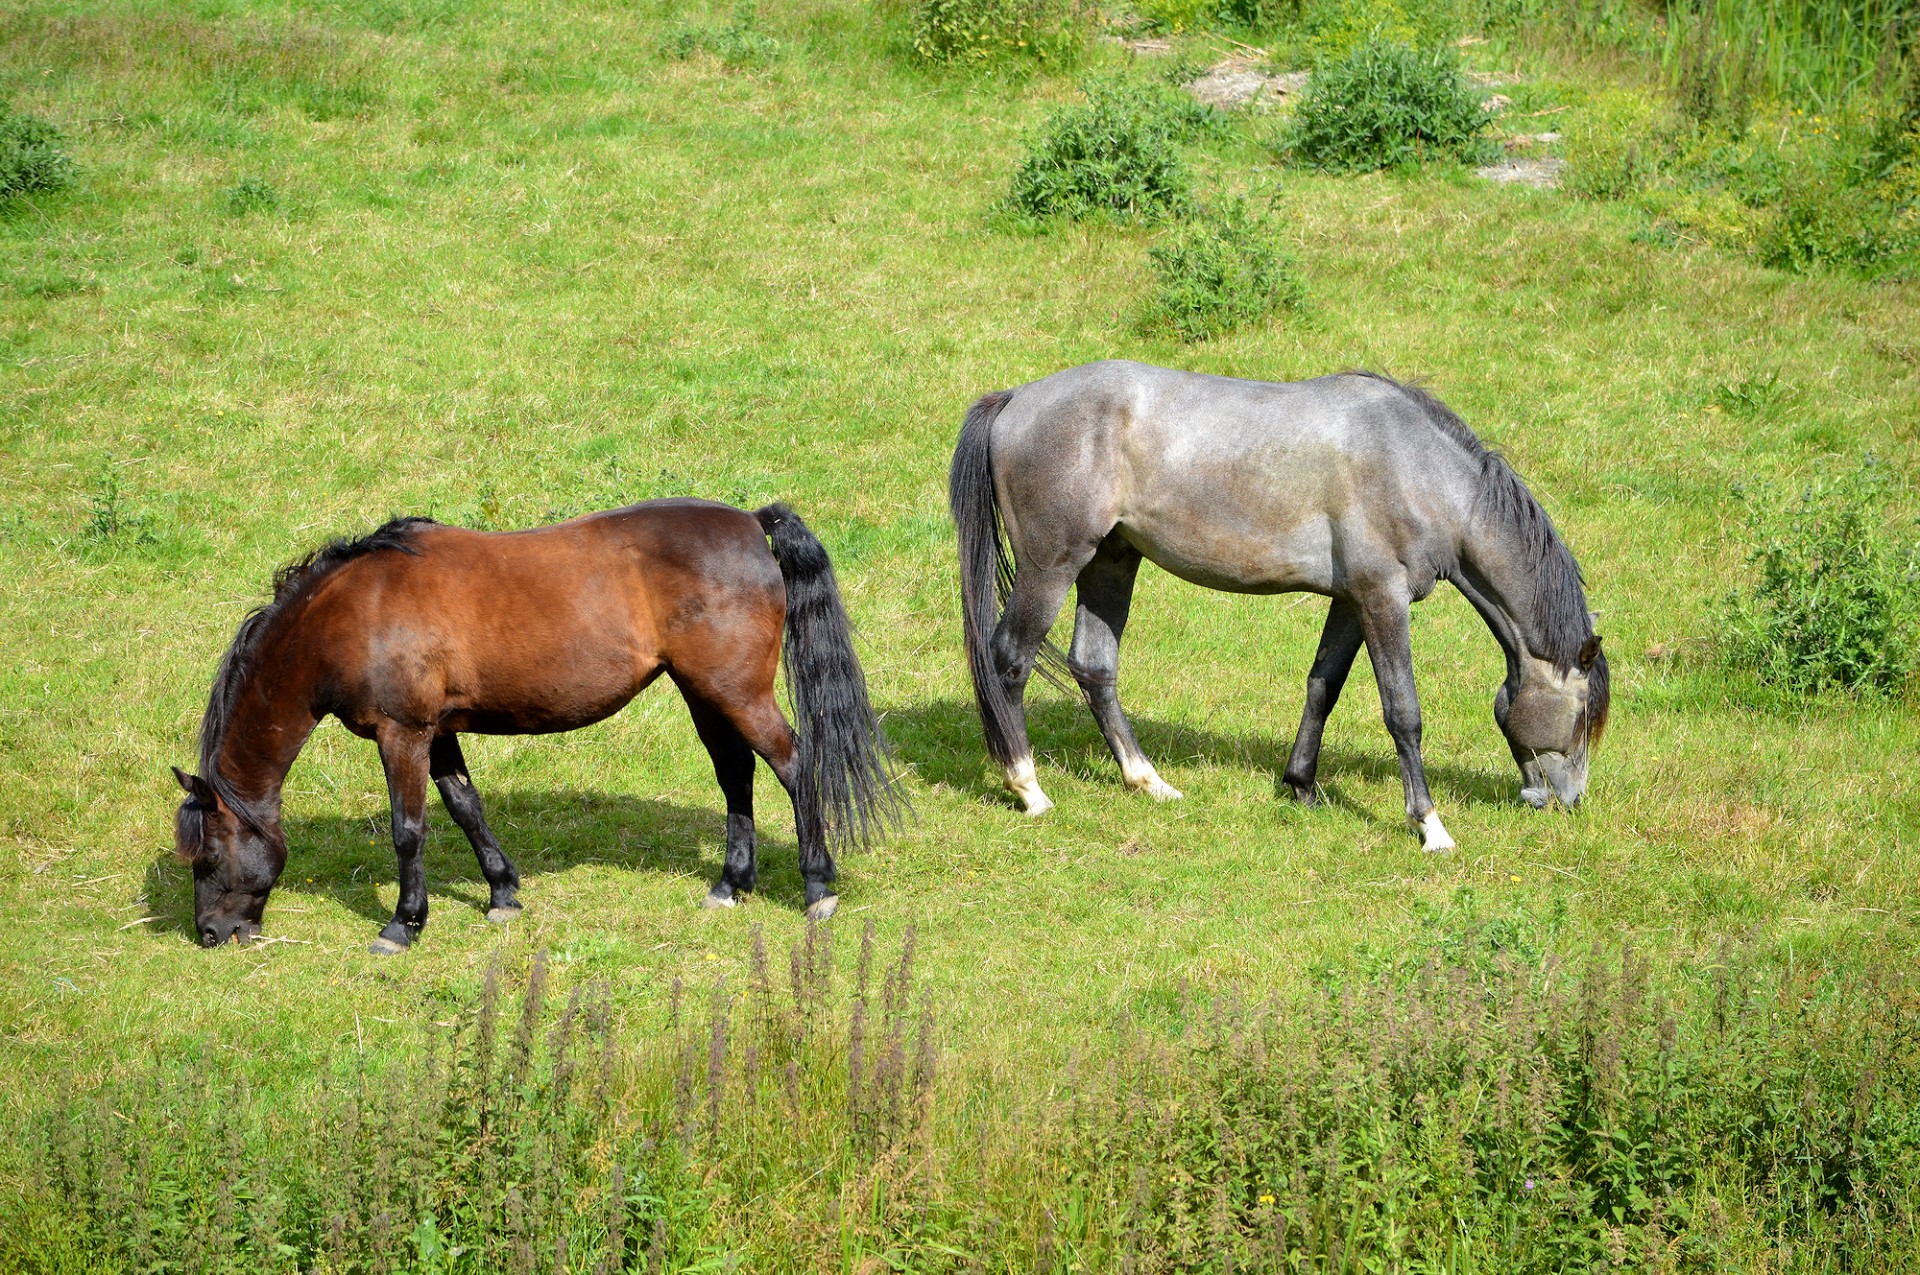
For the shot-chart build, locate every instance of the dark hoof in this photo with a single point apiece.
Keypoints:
(1305, 796)
(384, 946)
(504, 916)
(716, 898)
(822, 908)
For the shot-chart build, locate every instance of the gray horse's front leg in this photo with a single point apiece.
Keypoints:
(1390, 646)
(1339, 642)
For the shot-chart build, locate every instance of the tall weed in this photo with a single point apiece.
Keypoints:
(33, 159)
(1220, 270)
(1835, 598)
(958, 32)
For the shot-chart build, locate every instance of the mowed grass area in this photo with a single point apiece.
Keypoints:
(521, 264)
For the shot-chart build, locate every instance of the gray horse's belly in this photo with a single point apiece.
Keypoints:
(1238, 559)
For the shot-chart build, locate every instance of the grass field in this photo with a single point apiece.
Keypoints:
(507, 263)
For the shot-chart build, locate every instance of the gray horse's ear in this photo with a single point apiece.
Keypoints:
(1589, 652)
(194, 786)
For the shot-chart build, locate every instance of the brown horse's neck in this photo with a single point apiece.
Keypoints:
(271, 719)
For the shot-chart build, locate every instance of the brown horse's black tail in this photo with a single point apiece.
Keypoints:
(843, 754)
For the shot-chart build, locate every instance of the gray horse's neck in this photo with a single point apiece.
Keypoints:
(1503, 587)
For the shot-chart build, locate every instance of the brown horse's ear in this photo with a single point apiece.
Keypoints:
(1589, 652)
(195, 787)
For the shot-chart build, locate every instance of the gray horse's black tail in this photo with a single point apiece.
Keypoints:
(986, 572)
(844, 767)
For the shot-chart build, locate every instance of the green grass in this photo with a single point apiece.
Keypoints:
(521, 264)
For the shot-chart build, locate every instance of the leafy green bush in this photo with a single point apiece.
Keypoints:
(32, 159)
(738, 44)
(1116, 156)
(1384, 104)
(1835, 601)
(1224, 268)
(971, 31)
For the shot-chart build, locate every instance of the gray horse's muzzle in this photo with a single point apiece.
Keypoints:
(1555, 775)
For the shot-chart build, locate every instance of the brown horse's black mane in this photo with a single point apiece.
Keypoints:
(289, 583)
(1559, 597)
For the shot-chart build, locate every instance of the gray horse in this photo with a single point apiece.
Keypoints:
(1353, 486)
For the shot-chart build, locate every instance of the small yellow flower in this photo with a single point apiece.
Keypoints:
(1513, 876)
(1266, 1198)
(712, 957)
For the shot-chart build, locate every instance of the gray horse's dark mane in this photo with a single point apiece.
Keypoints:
(1504, 502)
(289, 583)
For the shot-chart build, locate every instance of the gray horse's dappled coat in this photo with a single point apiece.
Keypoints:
(1353, 486)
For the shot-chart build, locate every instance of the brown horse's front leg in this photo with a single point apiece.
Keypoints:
(405, 755)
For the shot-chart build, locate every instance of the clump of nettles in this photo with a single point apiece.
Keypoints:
(972, 31)
(1116, 156)
(1223, 269)
(739, 43)
(32, 159)
(1835, 598)
(1385, 104)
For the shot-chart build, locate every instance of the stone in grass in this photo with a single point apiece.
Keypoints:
(1542, 174)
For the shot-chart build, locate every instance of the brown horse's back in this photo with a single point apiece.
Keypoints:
(548, 629)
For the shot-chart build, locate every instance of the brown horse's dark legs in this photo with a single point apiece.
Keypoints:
(733, 767)
(765, 729)
(1339, 643)
(462, 800)
(404, 753)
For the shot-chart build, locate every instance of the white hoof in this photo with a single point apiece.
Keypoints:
(1022, 783)
(823, 909)
(1433, 833)
(1149, 782)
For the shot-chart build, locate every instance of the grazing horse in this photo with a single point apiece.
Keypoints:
(419, 632)
(1353, 486)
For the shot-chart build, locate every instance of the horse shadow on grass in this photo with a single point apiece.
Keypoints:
(942, 741)
(348, 860)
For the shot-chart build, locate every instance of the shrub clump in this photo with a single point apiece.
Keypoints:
(1223, 269)
(32, 159)
(1116, 156)
(1835, 602)
(1386, 103)
(954, 32)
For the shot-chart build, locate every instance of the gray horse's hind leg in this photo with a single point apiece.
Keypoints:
(1104, 592)
(1339, 642)
(1390, 646)
(1031, 609)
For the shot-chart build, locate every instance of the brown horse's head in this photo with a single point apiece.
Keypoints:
(235, 859)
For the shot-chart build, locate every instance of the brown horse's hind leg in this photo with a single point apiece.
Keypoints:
(761, 723)
(462, 800)
(404, 754)
(733, 767)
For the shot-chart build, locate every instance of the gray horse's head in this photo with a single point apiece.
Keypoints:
(1552, 720)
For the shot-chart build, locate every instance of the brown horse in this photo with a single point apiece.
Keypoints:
(418, 632)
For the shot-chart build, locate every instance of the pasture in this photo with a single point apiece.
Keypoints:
(506, 263)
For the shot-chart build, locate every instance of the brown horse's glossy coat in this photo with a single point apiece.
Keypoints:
(419, 632)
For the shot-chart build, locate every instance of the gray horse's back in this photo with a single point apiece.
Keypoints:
(1250, 486)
